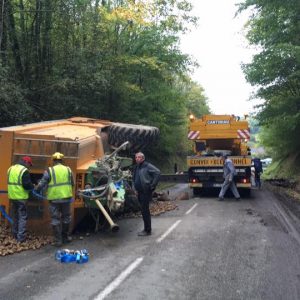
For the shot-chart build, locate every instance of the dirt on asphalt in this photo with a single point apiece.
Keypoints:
(9, 245)
(287, 194)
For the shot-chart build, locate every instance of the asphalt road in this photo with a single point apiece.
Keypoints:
(205, 249)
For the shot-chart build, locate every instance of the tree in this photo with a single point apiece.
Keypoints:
(274, 28)
(14, 109)
(116, 60)
(197, 102)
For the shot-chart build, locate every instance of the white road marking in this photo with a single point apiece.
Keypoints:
(117, 281)
(162, 237)
(190, 210)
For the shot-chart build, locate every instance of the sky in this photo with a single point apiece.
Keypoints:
(219, 46)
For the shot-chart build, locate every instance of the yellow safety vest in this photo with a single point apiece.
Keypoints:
(14, 183)
(60, 185)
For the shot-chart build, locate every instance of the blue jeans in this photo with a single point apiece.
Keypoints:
(257, 180)
(229, 184)
(19, 213)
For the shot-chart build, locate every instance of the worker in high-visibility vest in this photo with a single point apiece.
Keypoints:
(59, 182)
(18, 187)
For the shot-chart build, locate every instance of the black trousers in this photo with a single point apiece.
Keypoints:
(257, 180)
(144, 200)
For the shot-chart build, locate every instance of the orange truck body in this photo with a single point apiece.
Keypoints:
(213, 135)
(81, 140)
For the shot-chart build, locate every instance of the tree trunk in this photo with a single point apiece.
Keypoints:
(14, 40)
(23, 40)
(3, 31)
(46, 51)
(1, 22)
(37, 41)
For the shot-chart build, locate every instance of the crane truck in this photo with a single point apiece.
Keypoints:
(213, 136)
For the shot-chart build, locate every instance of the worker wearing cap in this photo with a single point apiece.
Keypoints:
(19, 185)
(59, 183)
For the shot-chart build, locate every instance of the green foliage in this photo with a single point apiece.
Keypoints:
(286, 167)
(116, 60)
(275, 28)
(13, 109)
(196, 100)
(254, 125)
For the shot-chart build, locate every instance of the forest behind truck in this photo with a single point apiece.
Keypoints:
(113, 60)
(274, 29)
(121, 61)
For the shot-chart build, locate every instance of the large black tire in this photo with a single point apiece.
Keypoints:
(139, 136)
(245, 193)
(197, 191)
(131, 203)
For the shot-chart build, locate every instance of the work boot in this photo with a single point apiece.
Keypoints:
(57, 236)
(144, 233)
(65, 234)
(21, 241)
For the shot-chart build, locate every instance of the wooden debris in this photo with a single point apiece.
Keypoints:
(8, 245)
(158, 207)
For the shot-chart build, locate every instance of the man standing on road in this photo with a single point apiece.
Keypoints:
(19, 185)
(59, 182)
(257, 171)
(145, 179)
(229, 173)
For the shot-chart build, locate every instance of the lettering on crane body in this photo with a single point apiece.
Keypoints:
(213, 122)
(204, 162)
(208, 161)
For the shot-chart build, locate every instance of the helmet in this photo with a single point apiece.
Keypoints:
(58, 156)
(27, 160)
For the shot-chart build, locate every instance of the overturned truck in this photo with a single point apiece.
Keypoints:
(91, 148)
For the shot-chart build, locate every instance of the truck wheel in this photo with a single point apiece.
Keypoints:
(139, 136)
(131, 203)
(197, 191)
(246, 193)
